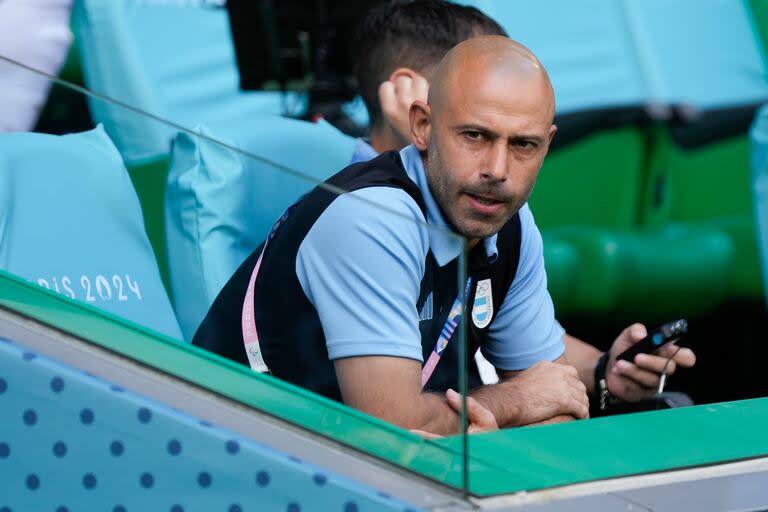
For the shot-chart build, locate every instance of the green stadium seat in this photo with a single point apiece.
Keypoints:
(595, 182)
(707, 187)
(759, 179)
(672, 270)
(590, 195)
(562, 263)
(149, 179)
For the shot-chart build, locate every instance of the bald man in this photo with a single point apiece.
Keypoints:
(355, 296)
(408, 61)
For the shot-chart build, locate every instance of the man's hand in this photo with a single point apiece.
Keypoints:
(640, 380)
(538, 394)
(480, 418)
(562, 418)
(396, 96)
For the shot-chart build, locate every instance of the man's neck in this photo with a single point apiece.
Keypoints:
(384, 138)
(471, 242)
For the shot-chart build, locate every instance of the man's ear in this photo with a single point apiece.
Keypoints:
(552, 131)
(420, 115)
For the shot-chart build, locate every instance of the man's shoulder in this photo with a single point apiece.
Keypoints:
(386, 171)
(375, 208)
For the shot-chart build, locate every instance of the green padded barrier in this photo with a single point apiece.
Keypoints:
(707, 187)
(550, 456)
(227, 378)
(149, 181)
(595, 182)
(680, 269)
(562, 263)
(500, 463)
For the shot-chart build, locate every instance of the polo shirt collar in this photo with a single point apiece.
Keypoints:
(363, 151)
(444, 248)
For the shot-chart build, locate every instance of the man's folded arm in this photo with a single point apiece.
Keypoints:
(390, 389)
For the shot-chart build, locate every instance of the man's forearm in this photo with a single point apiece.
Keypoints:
(540, 393)
(502, 400)
(583, 357)
(389, 388)
(431, 414)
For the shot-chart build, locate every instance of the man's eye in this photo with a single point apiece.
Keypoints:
(525, 144)
(473, 135)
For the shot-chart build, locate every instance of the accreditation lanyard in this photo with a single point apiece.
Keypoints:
(248, 318)
(454, 317)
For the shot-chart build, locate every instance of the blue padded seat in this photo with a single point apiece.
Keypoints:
(70, 221)
(173, 59)
(220, 203)
(604, 53)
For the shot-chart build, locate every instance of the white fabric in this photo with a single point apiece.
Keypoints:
(35, 33)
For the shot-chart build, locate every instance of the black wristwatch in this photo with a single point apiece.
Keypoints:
(601, 384)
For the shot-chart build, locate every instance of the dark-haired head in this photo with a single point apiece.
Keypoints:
(412, 34)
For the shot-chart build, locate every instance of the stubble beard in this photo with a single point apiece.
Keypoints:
(448, 198)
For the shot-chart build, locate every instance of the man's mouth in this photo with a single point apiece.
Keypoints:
(484, 199)
(485, 204)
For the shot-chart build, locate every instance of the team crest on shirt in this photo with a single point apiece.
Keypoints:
(482, 309)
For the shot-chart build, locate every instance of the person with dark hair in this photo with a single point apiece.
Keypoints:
(397, 47)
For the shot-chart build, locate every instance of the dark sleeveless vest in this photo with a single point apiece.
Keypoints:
(290, 333)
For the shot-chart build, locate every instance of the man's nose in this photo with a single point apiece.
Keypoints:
(495, 167)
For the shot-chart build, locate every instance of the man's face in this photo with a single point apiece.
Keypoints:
(486, 144)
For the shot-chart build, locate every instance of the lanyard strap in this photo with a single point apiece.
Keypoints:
(454, 317)
(250, 335)
(248, 318)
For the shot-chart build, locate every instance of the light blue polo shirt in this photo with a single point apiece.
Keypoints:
(361, 267)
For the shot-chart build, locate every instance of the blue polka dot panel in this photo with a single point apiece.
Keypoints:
(73, 442)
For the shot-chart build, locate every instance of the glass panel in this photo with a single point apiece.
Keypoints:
(157, 244)
(211, 178)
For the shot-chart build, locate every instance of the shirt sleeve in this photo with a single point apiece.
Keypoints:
(361, 267)
(524, 330)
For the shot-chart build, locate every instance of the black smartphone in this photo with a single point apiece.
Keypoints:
(656, 339)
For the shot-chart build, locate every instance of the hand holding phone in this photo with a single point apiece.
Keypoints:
(655, 339)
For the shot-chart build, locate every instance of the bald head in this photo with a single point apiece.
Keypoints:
(484, 133)
(475, 63)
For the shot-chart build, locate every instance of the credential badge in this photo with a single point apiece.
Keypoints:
(482, 310)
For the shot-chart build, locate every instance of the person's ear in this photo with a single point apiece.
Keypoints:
(552, 131)
(421, 124)
(406, 72)
(550, 136)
